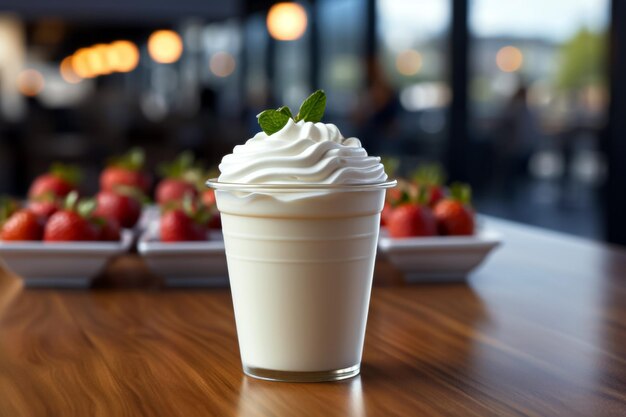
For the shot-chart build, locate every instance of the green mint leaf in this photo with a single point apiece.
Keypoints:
(271, 121)
(312, 109)
(285, 110)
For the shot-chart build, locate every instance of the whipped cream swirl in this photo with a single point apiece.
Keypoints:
(302, 152)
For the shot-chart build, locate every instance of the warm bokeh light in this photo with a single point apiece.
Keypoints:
(123, 56)
(509, 59)
(30, 82)
(286, 21)
(80, 64)
(97, 59)
(67, 73)
(165, 46)
(222, 64)
(409, 62)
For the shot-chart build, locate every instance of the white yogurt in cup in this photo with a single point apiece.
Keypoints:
(300, 216)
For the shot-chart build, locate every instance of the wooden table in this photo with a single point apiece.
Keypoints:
(540, 330)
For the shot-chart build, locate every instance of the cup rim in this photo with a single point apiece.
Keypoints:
(289, 188)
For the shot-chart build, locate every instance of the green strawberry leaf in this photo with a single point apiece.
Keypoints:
(71, 200)
(132, 192)
(312, 109)
(8, 206)
(429, 174)
(461, 192)
(86, 207)
(423, 195)
(178, 167)
(69, 173)
(133, 160)
(271, 121)
(391, 165)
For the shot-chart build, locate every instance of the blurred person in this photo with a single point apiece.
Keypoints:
(376, 116)
(516, 138)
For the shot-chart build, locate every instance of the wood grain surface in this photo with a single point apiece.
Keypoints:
(540, 330)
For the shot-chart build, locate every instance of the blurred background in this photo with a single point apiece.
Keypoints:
(515, 97)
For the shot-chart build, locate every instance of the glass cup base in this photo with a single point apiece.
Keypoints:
(296, 376)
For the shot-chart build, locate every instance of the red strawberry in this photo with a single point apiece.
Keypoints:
(454, 215)
(409, 220)
(59, 182)
(126, 170)
(43, 209)
(172, 189)
(22, 225)
(121, 204)
(208, 197)
(177, 226)
(430, 176)
(436, 194)
(69, 226)
(208, 200)
(216, 221)
(180, 177)
(188, 222)
(109, 228)
(385, 215)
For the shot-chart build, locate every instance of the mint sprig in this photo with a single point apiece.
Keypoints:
(271, 121)
(311, 110)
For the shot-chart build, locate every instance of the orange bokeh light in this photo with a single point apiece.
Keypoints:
(30, 82)
(67, 72)
(286, 21)
(409, 62)
(80, 64)
(165, 46)
(222, 64)
(123, 56)
(97, 59)
(509, 59)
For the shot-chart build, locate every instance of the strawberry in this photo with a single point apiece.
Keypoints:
(126, 170)
(436, 194)
(215, 221)
(72, 223)
(8, 206)
(180, 177)
(410, 220)
(172, 189)
(108, 227)
(430, 177)
(59, 182)
(208, 197)
(184, 223)
(454, 214)
(44, 206)
(43, 209)
(22, 225)
(413, 217)
(122, 204)
(208, 200)
(385, 215)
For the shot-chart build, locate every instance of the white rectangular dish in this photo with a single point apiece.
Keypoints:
(438, 259)
(185, 264)
(62, 264)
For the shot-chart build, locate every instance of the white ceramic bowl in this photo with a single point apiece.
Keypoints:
(438, 259)
(62, 264)
(185, 264)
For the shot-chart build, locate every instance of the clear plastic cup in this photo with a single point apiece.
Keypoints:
(300, 262)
